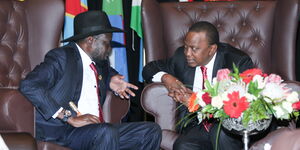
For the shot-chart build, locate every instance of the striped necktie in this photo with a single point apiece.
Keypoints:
(98, 92)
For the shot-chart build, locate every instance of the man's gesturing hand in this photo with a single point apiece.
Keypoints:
(121, 87)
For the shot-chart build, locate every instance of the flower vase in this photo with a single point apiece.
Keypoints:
(235, 125)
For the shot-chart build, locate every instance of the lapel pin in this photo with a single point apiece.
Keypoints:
(100, 77)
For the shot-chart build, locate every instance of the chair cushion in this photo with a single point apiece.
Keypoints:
(50, 146)
(19, 141)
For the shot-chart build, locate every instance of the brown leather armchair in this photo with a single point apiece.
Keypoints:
(266, 30)
(28, 29)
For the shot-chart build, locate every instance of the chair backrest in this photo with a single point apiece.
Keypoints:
(28, 29)
(266, 30)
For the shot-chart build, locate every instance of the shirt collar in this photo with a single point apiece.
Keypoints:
(210, 64)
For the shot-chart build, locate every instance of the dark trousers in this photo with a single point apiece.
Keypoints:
(197, 138)
(127, 136)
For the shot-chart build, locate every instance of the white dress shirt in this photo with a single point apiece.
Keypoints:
(198, 80)
(88, 101)
(3, 146)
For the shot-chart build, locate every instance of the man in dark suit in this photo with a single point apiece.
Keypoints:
(80, 72)
(183, 72)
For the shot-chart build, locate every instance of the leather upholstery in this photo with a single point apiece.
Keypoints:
(155, 100)
(28, 30)
(114, 108)
(19, 141)
(265, 30)
(16, 113)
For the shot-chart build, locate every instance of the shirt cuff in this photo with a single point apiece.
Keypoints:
(56, 114)
(157, 76)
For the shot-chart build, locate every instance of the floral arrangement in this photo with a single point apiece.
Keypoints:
(251, 95)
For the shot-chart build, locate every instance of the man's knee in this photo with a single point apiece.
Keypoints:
(154, 129)
(186, 144)
(179, 144)
(106, 130)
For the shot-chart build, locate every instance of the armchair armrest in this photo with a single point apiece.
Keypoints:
(168, 139)
(114, 108)
(294, 85)
(19, 141)
(16, 112)
(155, 100)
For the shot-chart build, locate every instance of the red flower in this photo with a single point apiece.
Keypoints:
(206, 98)
(296, 106)
(248, 75)
(235, 105)
(191, 103)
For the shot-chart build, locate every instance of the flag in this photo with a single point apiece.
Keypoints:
(136, 25)
(136, 19)
(118, 58)
(73, 7)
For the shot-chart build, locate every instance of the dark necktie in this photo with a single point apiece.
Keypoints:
(204, 75)
(206, 124)
(98, 92)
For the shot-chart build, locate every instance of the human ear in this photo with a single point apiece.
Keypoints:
(89, 39)
(213, 49)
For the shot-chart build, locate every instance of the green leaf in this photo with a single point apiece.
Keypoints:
(179, 106)
(208, 108)
(189, 120)
(256, 111)
(253, 88)
(235, 74)
(186, 118)
(246, 117)
(220, 114)
(235, 69)
(296, 114)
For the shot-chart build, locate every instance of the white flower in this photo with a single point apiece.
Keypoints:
(217, 101)
(287, 106)
(250, 97)
(282, 111)
(292, 97)
(279, 112)
(224, 85)
(273, 91)
(268, 100)
(260, 81)
(200, 100)
(200, 117)
(239, 88)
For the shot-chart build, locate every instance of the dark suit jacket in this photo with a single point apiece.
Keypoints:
(177, 66)
(54, 83)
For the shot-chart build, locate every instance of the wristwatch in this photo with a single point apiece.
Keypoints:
(67, 115)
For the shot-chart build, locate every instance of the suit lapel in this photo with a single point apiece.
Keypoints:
(76, 71)
(102, 69)
(219, 62)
